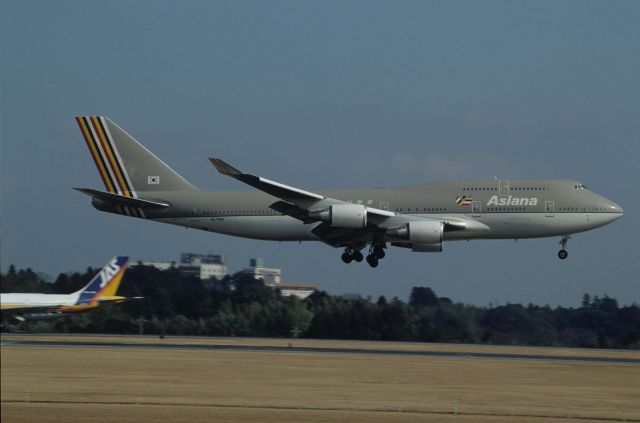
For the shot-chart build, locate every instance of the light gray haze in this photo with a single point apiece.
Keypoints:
(328, 94)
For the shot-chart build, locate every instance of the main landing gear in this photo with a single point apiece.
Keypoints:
(350, 255)
(376, 252)
(563, 254)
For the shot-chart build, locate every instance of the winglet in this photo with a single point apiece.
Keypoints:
(224, 167)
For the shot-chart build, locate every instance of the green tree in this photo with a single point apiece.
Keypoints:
(422, 296)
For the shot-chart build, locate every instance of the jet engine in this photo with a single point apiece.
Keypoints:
(426, 248)
(424, 236)
(342, 215)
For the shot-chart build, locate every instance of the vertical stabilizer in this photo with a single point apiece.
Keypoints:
(105, 283)
(126, 166)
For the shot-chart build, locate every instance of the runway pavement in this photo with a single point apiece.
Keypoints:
(24, 341)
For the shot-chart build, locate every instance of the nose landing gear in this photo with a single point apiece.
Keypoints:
(563, 254)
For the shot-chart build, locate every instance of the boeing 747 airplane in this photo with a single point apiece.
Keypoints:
(420, 217)
(101, 289)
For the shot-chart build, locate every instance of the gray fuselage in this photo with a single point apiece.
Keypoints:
(491, 209)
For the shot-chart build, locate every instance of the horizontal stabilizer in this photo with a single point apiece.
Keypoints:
(118, 299)
(113, 298)
(121, 199)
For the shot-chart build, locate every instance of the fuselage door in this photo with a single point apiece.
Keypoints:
(476, 208)
(549, 208)
(503, 187)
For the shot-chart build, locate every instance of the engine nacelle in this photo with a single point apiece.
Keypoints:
(37, 316)
(427, 248)
(342, 215)
(422, 236)
(429, 232)
(421, 248)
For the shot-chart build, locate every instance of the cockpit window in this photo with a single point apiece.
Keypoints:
(579, 186)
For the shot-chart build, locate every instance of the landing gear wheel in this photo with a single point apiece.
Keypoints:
(372, 260)
(563, 254)
(346, 257)
(379, 253)
(357, 256)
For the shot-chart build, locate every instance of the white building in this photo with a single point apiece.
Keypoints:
(218, 271)
(270, 277)
(273, 278)
(203, 266)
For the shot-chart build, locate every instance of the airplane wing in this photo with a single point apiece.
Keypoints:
(17, 308)
(271, 187)
(341, 223)
(21, 312)
(292, 210)
(305, 201)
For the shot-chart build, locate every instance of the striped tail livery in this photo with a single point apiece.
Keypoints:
(126, 168)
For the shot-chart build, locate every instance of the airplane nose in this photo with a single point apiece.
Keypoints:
(615, 210)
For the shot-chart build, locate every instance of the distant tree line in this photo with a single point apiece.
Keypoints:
(242, 306)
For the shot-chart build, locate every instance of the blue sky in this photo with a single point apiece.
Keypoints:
(328, 95)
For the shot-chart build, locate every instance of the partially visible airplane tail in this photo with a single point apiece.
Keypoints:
(126, 166)
(105, 284)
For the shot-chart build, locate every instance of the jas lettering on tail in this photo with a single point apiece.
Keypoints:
(108, 272)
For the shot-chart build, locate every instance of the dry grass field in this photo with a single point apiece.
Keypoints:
(55, 384)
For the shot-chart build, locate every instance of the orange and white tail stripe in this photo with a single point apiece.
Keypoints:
(108, 161)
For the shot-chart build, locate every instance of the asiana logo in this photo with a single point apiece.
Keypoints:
(464, 200)
(512, 201)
